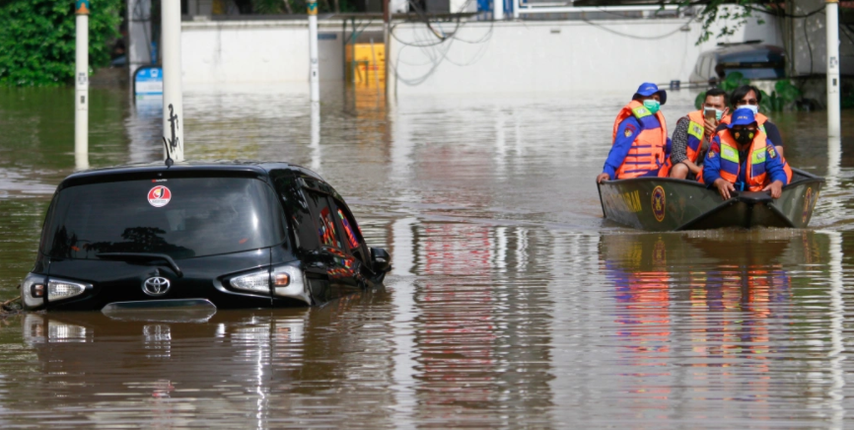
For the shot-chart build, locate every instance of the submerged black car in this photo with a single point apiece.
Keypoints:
(239, 234)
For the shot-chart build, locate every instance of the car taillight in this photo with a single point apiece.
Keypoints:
(281, 280)
(32, 291)
(290, 283)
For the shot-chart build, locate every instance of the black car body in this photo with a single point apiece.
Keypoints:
(239, 234)
(752, 60)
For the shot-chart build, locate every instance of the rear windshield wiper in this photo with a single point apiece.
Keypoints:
(128, 256)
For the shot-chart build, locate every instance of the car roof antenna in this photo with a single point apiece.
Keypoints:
(169, 161)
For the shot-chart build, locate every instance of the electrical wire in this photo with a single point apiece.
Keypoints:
(809, 46)
(623, 14)
(782, 13)
(437, 50)
(485, 38)
(848, 27)
(632, 36)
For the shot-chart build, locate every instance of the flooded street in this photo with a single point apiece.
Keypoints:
(511, 304)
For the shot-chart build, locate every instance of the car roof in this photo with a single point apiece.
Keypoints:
(186, 168)
(748, 52)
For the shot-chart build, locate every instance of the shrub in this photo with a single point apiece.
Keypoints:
(783, 97)
(37, 39)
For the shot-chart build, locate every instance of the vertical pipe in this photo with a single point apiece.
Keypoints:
(313, 78)
(139, 48)
(173, 107)
(790, 39)
(81, 86)
(833, 113)
(386, 41)
(498, 10)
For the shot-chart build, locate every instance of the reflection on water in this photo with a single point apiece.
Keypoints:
(511, 302)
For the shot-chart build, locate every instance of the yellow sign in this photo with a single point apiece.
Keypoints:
(312, 7)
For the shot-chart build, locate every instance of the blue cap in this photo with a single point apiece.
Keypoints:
(743, 116)
(647, 89)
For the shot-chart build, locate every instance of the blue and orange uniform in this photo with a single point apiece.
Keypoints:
(640, 144)
(749, 170)
(762, 121)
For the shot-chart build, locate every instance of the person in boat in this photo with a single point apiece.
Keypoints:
(742, 158)
(693, 133)
(640, 145)
(748, 96)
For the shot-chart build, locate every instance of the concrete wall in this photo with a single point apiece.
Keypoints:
(257, 52)
(552, 56)
(476, 56)
(810, 41)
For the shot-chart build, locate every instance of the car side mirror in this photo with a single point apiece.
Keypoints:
(380, 260)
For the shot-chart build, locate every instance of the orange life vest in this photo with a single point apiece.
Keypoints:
(696, 131)
(648, 149)
(760, 121)
(731, 165)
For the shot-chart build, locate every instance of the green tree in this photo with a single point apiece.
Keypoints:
(713, 10)
(37, 39)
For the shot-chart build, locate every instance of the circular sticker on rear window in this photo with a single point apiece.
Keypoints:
(159, 196)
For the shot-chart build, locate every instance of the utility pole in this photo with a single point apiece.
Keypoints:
(173, 107)
(81, 85)
(834, 119)
(387, 45)
(314, 79)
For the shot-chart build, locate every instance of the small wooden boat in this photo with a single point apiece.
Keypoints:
(666, 204)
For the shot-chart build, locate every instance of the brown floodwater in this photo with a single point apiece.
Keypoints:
(512, 303)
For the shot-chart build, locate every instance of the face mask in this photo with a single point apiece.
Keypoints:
(754, 108)
(652, 105)
(743, 137)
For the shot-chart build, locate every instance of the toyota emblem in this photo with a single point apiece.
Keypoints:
(156, 286)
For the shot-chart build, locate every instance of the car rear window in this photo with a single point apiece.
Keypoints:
(183, 217)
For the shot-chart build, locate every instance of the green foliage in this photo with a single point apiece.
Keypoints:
(37, 39)
(731, 82)
(714, 10)
(783, 97)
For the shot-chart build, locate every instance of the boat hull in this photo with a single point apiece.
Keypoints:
(666, 204)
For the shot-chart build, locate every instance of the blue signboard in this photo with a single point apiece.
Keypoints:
(148, 81)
